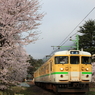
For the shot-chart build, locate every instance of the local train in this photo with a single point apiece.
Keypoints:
(65, 71)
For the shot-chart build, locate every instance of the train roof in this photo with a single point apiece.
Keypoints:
(67, 52)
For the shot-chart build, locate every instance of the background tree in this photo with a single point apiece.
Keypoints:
(34, 65)
(87, 39)
(18, 21)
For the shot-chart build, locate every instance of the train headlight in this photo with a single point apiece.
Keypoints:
(87, 69)
(61, 69)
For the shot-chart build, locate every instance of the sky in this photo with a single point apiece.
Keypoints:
(61, 17)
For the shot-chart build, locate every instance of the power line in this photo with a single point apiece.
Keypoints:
(66, 39)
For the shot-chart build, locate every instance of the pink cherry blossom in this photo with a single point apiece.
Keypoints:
(18, 21)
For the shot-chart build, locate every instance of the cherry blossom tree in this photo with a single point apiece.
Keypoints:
(93, 71)
(18, 21)
(13, 67)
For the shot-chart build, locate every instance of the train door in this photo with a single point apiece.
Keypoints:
(86, 68)
(74, 68)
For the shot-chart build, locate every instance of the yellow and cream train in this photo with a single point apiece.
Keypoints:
(65, 71)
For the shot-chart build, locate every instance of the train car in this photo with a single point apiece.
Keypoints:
(65, 71)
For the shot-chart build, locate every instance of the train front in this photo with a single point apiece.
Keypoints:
(72, 71)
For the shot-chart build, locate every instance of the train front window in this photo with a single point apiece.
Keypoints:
(74, 59)
(86, 60)
(61, 60)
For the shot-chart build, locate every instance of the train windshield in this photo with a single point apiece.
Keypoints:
(61, 59)
(74, 59)
(86, 60)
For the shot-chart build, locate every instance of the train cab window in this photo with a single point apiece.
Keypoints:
(86, 60)
(74, 59)
(61, 60)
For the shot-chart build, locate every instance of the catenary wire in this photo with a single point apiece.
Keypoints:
(66, 39)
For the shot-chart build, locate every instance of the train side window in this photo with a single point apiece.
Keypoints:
(86, 60)
(74, 59)
(50, 65)
(61, 59)
(47, 68)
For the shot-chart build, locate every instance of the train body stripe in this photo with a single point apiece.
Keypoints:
(86, 72)
(52, 74)
(59, 73)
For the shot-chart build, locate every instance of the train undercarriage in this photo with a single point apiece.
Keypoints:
(72, 87)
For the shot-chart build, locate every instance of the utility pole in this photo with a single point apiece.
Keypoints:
(76, 41)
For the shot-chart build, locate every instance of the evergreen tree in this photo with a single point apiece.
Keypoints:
(87, 39)
(34, 65)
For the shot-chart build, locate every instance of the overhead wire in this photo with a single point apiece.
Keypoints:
(66, 39)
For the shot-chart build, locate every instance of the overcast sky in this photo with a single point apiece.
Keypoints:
(62, 16)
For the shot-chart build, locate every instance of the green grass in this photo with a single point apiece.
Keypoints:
(25, 90)
(22, 90)
(92, 91)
